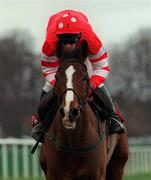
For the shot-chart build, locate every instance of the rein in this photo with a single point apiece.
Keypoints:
(52, 137)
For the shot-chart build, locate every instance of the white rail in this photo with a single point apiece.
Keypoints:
(16, 160)
(139, 160)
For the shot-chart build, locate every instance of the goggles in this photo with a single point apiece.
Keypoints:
(69, 38)
(69, 41)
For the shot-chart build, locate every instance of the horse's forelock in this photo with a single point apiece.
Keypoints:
(72, 54)
(75, 53)
(80, 67)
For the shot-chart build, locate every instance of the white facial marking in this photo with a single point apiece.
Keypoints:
(69, 98)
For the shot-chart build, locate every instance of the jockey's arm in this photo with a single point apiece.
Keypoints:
(49, 65)
(49, 62)
(100, 67)
(97, 56)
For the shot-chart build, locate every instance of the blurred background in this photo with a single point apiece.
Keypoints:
(125, 30)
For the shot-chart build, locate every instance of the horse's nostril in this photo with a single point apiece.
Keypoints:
(73, 114)
(62, 112)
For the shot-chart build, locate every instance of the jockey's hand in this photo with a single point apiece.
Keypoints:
(92, 85)
(34, 119)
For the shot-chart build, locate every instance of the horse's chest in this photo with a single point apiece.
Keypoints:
(78, 166)
(81, 174)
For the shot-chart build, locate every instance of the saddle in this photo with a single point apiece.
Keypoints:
(50, 104)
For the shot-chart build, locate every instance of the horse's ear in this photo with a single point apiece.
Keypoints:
(84, 50)
(59, 50)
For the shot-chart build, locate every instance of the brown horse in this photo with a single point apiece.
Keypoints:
(76, 145)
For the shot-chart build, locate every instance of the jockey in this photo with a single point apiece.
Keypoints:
(70, 28)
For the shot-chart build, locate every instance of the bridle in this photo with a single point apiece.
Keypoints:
(74, 113)
(71, 149)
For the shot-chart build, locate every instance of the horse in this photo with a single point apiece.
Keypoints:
(76, 145)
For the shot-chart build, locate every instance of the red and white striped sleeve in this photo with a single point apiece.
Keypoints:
(100, 67)
(49, 66)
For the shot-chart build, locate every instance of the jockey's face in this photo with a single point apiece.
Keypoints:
(69, 41)
(67, 47)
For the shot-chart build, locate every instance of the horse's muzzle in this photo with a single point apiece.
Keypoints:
(74, 114)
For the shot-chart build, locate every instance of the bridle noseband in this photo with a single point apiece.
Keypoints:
(73, 114)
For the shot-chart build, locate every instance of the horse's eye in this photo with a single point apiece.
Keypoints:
(62, 112)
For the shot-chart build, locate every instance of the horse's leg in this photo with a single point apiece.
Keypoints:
(43, 162)
(103, 157)
(101, 178)
(115, 168)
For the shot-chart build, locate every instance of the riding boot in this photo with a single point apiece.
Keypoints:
(36, 123)
(114, 124)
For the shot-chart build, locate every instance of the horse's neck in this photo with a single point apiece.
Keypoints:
(85, 132)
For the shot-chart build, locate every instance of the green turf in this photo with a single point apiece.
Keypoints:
(138, 177)
(134, 177)
(24, 179)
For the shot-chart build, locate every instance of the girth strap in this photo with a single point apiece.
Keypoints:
(64, 148)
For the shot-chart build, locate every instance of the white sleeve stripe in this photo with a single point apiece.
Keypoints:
(52, 74)
(50, 77)
(48, 68)
(103, 63)
(49, 58)
(99, 54)
(49, 72)
(102, 72)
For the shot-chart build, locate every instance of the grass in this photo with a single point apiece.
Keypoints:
(138, 177)
(134, 177)
(24, 179)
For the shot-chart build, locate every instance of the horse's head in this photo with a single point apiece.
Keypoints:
(72, 85)
(64, 53)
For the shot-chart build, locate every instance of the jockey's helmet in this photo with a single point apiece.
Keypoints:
(68, 24)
